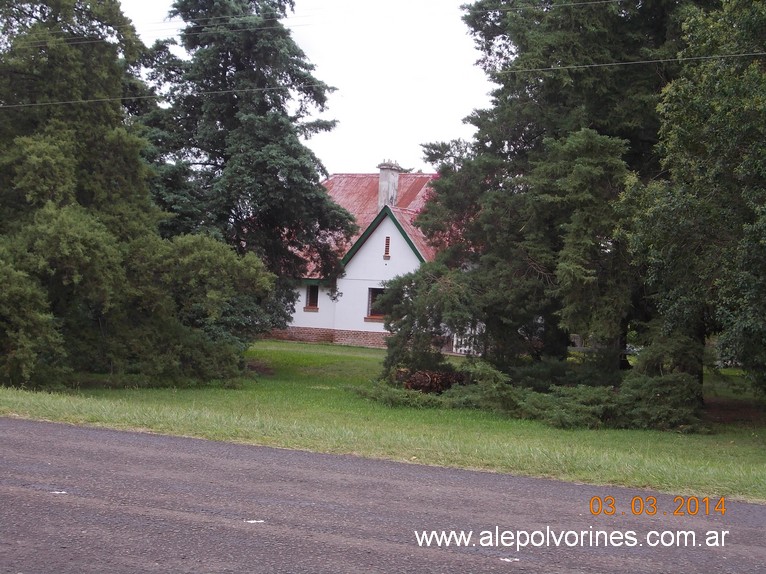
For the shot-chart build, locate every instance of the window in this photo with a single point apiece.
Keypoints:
(312, 298)
(387, 249)
(372, 313)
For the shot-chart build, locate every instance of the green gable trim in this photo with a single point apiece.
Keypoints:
(385, 212)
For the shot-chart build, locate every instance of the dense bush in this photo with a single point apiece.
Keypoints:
(670, 402)
(392, 396)
(573, 407)
(542, 376)
(486, 388)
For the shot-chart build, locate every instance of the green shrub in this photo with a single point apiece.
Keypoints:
(667, 402)
(502, 397)
(478, 371)
(573, 407)
(486, 388)
(391, 396)
(670, 402)
(542, 376)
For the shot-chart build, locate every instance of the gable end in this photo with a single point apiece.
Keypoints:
(385, 212)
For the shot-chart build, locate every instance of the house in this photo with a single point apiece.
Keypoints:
(384, 205)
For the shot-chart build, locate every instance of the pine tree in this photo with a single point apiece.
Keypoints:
(231, 139)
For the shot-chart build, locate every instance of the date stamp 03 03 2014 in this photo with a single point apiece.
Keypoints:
(647, 505)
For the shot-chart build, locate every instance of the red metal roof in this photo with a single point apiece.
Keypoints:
(358, 194)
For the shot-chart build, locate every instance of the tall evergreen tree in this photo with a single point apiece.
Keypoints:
(529, 212)
(239, 107)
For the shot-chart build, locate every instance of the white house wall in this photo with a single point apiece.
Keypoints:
(368, 269)
(321, 318)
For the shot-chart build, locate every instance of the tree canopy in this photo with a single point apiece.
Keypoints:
(88, 282)
(700, 232)
(529, 213)
(614, 186)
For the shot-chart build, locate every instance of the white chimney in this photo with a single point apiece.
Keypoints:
(388, 184)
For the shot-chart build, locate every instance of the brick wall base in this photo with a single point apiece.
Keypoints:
(304, 334)
(360, 338)
(314, 335)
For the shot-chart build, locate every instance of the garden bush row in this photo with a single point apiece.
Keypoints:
(640, 401)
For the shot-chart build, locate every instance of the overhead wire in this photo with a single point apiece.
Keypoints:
(161, 96)
(495, 74)
(300, 86)
(78, 40)
(629, 63)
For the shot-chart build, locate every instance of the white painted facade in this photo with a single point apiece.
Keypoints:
(368, 268)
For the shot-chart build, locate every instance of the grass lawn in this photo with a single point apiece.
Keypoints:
(300, 397)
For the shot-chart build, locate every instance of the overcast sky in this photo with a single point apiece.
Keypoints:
(404, 71)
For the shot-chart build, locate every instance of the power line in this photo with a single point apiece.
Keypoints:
(231, 21)
(79, 40)
(522, 5)
(159, 97)
(631, 63)
(319, 84)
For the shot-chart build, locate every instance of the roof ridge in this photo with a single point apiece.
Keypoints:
(377, 174)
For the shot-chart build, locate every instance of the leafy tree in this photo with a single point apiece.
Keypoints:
(27, 327)
(423, 309)
(701, 233)
(235, 165)
(89, 284)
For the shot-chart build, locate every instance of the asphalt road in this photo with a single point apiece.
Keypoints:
(81, 500)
